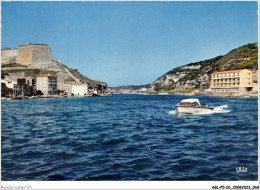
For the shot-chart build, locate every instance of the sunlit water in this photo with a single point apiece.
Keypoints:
(128, 137)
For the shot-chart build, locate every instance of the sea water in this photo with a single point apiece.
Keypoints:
(128, 137)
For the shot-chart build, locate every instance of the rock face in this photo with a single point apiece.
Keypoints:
(194, 75)
(198, 75)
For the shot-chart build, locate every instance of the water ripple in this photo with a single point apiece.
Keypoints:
(128, 137)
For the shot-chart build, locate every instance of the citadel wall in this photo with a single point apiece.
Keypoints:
(34, 54)
(9, 56)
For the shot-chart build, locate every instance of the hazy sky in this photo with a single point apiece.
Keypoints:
(126, 43)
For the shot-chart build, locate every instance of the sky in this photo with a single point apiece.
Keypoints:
(130, 43)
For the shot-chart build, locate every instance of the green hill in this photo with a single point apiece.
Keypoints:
(197, 75)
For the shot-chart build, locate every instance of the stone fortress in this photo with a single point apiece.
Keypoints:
(34, 56)
(31, 60)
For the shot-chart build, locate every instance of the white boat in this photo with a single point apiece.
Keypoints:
(246, 96)
(193, 106)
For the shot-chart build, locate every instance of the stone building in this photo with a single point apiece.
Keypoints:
(20, 86)
(66, 87)
(80, 89)
(60, 83)
(30, 54)
(34, 56)
(232, 81)
(47, 84)
(25, 87)
(9, 55)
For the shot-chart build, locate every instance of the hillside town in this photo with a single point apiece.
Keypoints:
(30, 72)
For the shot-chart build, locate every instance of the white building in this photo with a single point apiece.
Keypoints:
(143, 90)
(79, 89)
(9, 83)
(47, 84)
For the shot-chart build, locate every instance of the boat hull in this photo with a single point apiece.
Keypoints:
(194, 110)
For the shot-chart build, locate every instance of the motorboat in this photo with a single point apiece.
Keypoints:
(193, 106)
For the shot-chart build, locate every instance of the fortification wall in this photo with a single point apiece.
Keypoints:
(9, 56)
(34, 54)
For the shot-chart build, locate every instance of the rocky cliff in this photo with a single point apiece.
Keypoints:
(197, 75)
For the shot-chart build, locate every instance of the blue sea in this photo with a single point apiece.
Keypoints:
(128, 137)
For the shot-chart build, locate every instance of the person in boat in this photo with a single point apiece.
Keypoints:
(195, 104)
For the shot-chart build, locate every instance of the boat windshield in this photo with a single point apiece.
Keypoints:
(189, 104)
(186, 103)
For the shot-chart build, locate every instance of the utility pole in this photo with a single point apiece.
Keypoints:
(22, 91)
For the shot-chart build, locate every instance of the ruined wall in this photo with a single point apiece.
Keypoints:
(34, 54)
(8, 56)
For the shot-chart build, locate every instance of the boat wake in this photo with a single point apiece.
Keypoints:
(173, 112)
(221, 109)
(218, 109)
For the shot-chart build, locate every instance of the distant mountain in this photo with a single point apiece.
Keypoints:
(130, 89)
(197, 75)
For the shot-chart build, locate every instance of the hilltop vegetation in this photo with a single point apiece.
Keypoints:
(244, 57)
(30, 72)
(13, 65)
(83, 78)
(201, 64)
